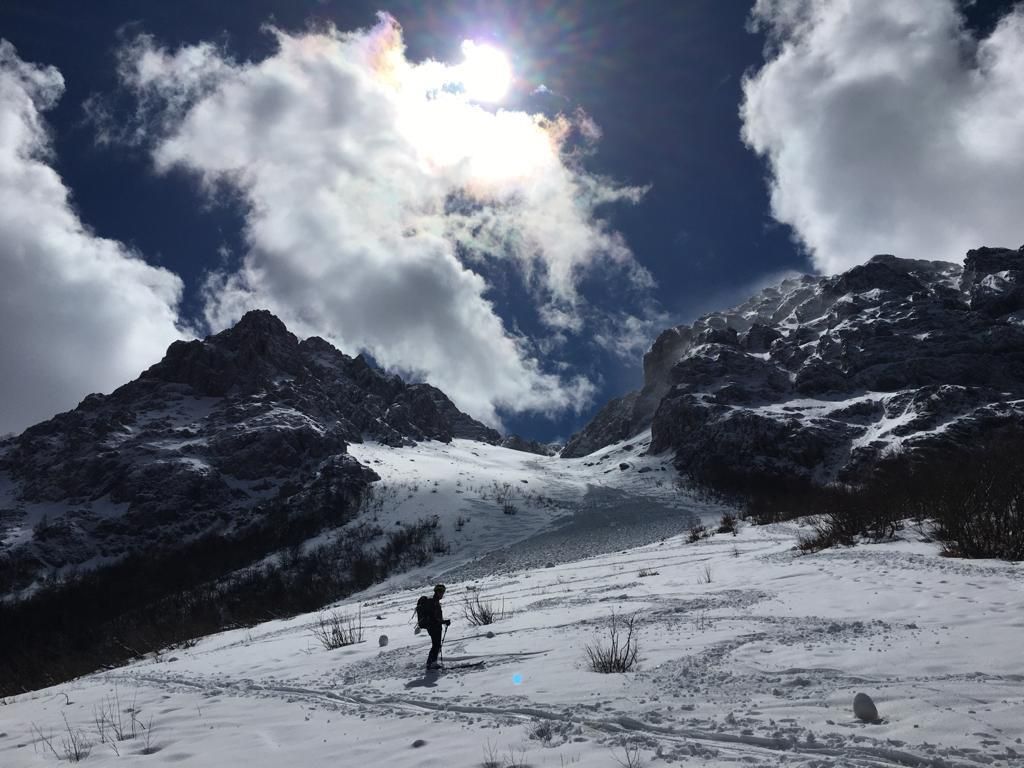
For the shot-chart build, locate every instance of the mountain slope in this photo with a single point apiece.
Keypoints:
(215, 438)
(820, 377)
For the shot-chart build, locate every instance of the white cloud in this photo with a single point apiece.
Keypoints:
(888, 128)
(628, 336)
(79, 313)
(373, 187)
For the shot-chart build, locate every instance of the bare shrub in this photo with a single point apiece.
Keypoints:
(543, 732)
(621, 652)
(336, 630)
(727, 524)
(110, 721)
(479, 612)
(492, 759)
(503, 492)
(705, 576)
(697, 532)
(978, 505)
(74, 744)
(45, 740)
(148, 748)
(517, 758)
(645, 572)
(631, 757)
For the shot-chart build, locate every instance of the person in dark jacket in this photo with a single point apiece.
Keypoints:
(435, 620)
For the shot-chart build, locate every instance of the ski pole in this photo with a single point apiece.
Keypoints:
(441, 650)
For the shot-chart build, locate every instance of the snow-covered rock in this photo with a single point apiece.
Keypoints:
(220, 434)
(818, 377)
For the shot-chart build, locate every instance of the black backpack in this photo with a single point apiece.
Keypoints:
(423, 612)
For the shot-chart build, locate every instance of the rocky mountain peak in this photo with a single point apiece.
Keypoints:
(246, 423)
(883, 273)
(987, 261)
(249, 356)
(818, 377)
(256, 323)
(993, 280)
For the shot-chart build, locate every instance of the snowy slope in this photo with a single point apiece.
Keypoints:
(757, 667)
(563, 507)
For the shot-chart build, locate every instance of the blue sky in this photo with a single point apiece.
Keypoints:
(188, 139)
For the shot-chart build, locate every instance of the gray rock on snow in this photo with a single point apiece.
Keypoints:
(864, 708)
(382, 640)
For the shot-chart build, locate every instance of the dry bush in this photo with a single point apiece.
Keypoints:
(74, 744)
(336, 630)
(109, 719)
(727, 524)
(631, 756)
(621, 653)
(479, 612)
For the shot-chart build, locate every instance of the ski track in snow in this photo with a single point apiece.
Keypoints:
(757, 666)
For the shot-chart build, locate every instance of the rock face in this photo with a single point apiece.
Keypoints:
(220, 433)
(517, 443)
(819, 377)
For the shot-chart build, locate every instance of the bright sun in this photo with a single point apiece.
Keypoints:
(485, 72)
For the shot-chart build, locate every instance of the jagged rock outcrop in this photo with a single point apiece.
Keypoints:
(220, 433)
(517, 443)
(819, 377)
(615, 421)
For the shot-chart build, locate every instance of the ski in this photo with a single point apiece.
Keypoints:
(449, 667)
(465, 666)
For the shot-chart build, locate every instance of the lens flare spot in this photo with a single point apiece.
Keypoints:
(517, 679)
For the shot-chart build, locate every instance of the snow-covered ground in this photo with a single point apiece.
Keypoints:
(561, 509)
(750, 653)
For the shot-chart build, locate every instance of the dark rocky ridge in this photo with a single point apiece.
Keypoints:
(219, 434)
(819, 377)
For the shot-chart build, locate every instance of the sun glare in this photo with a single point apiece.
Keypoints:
(489, 152)
(485, 73)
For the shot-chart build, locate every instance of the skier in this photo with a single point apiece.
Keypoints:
(431, 618)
